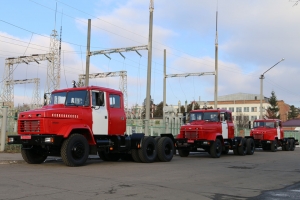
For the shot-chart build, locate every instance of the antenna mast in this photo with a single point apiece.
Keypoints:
(216, 63)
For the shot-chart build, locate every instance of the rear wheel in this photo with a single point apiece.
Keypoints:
(156, 140)
(135, 155)
(165, 149)
(292, 147)
(216, 149)
(148, 150)
(35, 155)
(75, 150)
(250, 146)
(183, 152)
(242, 149)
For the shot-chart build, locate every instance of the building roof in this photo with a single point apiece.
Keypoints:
(239, 96)
(291, 123)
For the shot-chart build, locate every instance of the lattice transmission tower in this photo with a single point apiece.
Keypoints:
(53, 68)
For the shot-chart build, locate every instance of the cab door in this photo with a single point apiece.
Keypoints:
(117, 117)
(99, 113)
(224, 125)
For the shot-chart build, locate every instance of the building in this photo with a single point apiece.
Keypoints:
(247, 106)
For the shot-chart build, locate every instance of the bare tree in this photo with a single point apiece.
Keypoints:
(242, 120)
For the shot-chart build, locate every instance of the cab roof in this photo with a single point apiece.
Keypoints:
(104, 89)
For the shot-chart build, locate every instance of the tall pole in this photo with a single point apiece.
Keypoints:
(261, 86)
(87, 67)
(261, 95)
(164, 95)
(151, 8)
(3, 129)
(216, 64)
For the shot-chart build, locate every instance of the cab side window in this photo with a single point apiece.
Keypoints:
(114, 101)
(97, 98)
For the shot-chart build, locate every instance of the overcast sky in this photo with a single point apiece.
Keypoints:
(253, 35)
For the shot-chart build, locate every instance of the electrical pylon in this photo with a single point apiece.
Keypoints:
(53, 68)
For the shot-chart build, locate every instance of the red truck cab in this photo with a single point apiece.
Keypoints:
(268, 135)
(213, 131)
(82, 121)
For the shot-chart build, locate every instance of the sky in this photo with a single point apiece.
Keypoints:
(253, 35)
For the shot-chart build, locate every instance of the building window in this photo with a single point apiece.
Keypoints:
(253, 118)
(231, 109)
(253, 109)
(238, 109)
(246, 109)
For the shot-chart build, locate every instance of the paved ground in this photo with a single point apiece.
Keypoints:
(264, 175)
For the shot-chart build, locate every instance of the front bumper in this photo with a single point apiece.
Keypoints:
(35, 139)
(183, 143)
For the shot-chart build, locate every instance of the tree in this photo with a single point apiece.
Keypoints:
(144, 108)
(158, 112)
(273, 109)
(293, 112)
(242, 120)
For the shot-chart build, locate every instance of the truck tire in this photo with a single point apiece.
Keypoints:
(75, 150)
(165, 149)
(216, 149)
(135, 155)
(288, 145)
(35, 155)
(183, 152)
(292, 145)
(148, 150)
(242, 150)
(156, 140)
(235, 151)
(102, 156)
(274, 146)
(250, 146)
(225, 151)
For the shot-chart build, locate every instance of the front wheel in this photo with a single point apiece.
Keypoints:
(250, 146)
(216, 149)
(242, 149)
(292, 146)
(34, 155)
(75, 150)
(183, 152)
(274, 146)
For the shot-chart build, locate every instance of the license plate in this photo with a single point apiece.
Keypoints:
(25, 137)
(190, 141)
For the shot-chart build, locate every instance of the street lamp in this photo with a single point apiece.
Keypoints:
(261, 86)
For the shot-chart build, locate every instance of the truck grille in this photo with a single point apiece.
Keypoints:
(191, 135)
(30, 126)
(258, 136)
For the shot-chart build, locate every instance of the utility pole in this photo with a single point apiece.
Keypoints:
(261, 87)
(164, 95)
(87, 68)
(216, 64)
(3, 129)
(148, 91)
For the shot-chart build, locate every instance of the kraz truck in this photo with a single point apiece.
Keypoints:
(212, 130)
(268, 135)
(84, 121)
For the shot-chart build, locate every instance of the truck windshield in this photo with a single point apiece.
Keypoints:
(72, 98)
(209, 116)
(264, 124)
